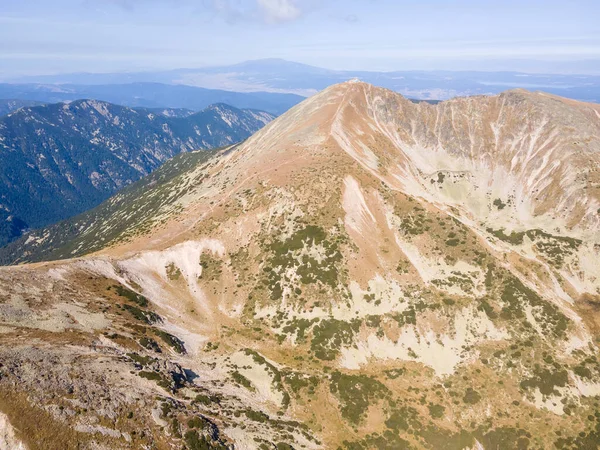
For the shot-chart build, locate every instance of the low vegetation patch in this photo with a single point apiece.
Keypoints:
(148, 317)
(356, 393)
(515, 296)
(330, 335)
(555, 249)
(172, 341)
(310, 253)
(242, 380)
(546, 380)
(139, 299)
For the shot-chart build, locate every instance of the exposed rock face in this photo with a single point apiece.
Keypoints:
(535, 152)
(364, 272)
(8, 439)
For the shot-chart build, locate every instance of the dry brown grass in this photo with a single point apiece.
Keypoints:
(36, 428)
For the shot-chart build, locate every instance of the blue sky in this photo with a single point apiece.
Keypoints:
(43, 37)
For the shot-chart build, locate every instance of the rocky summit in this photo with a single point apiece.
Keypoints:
(365, 272)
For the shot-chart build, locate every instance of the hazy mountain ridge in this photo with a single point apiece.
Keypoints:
(61, 159)
(151, 95)
(363, 272)
(9, 105)
(281, 76)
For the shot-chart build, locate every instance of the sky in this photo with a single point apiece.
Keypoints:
(58, 36)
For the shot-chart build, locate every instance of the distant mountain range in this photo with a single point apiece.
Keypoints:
(280, 76)
(151, 95)
(9, 105)
(61, 159)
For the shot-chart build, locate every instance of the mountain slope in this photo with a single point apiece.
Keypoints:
(364, 272)
(152, 95)
(61, 159)
(133, 209)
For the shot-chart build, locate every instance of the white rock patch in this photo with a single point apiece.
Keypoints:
(259, 376)
(437, 269)
(358, 214)
(440, 352)
(586, 388)
(552, 402)
(8, 439)
(150, 268)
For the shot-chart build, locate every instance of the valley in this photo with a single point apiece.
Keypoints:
(61, 159)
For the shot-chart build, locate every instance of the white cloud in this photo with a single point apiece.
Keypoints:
(279, 10)
(268, 11)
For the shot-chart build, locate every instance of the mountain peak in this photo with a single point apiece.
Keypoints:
(362, 264)
(376, 126)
